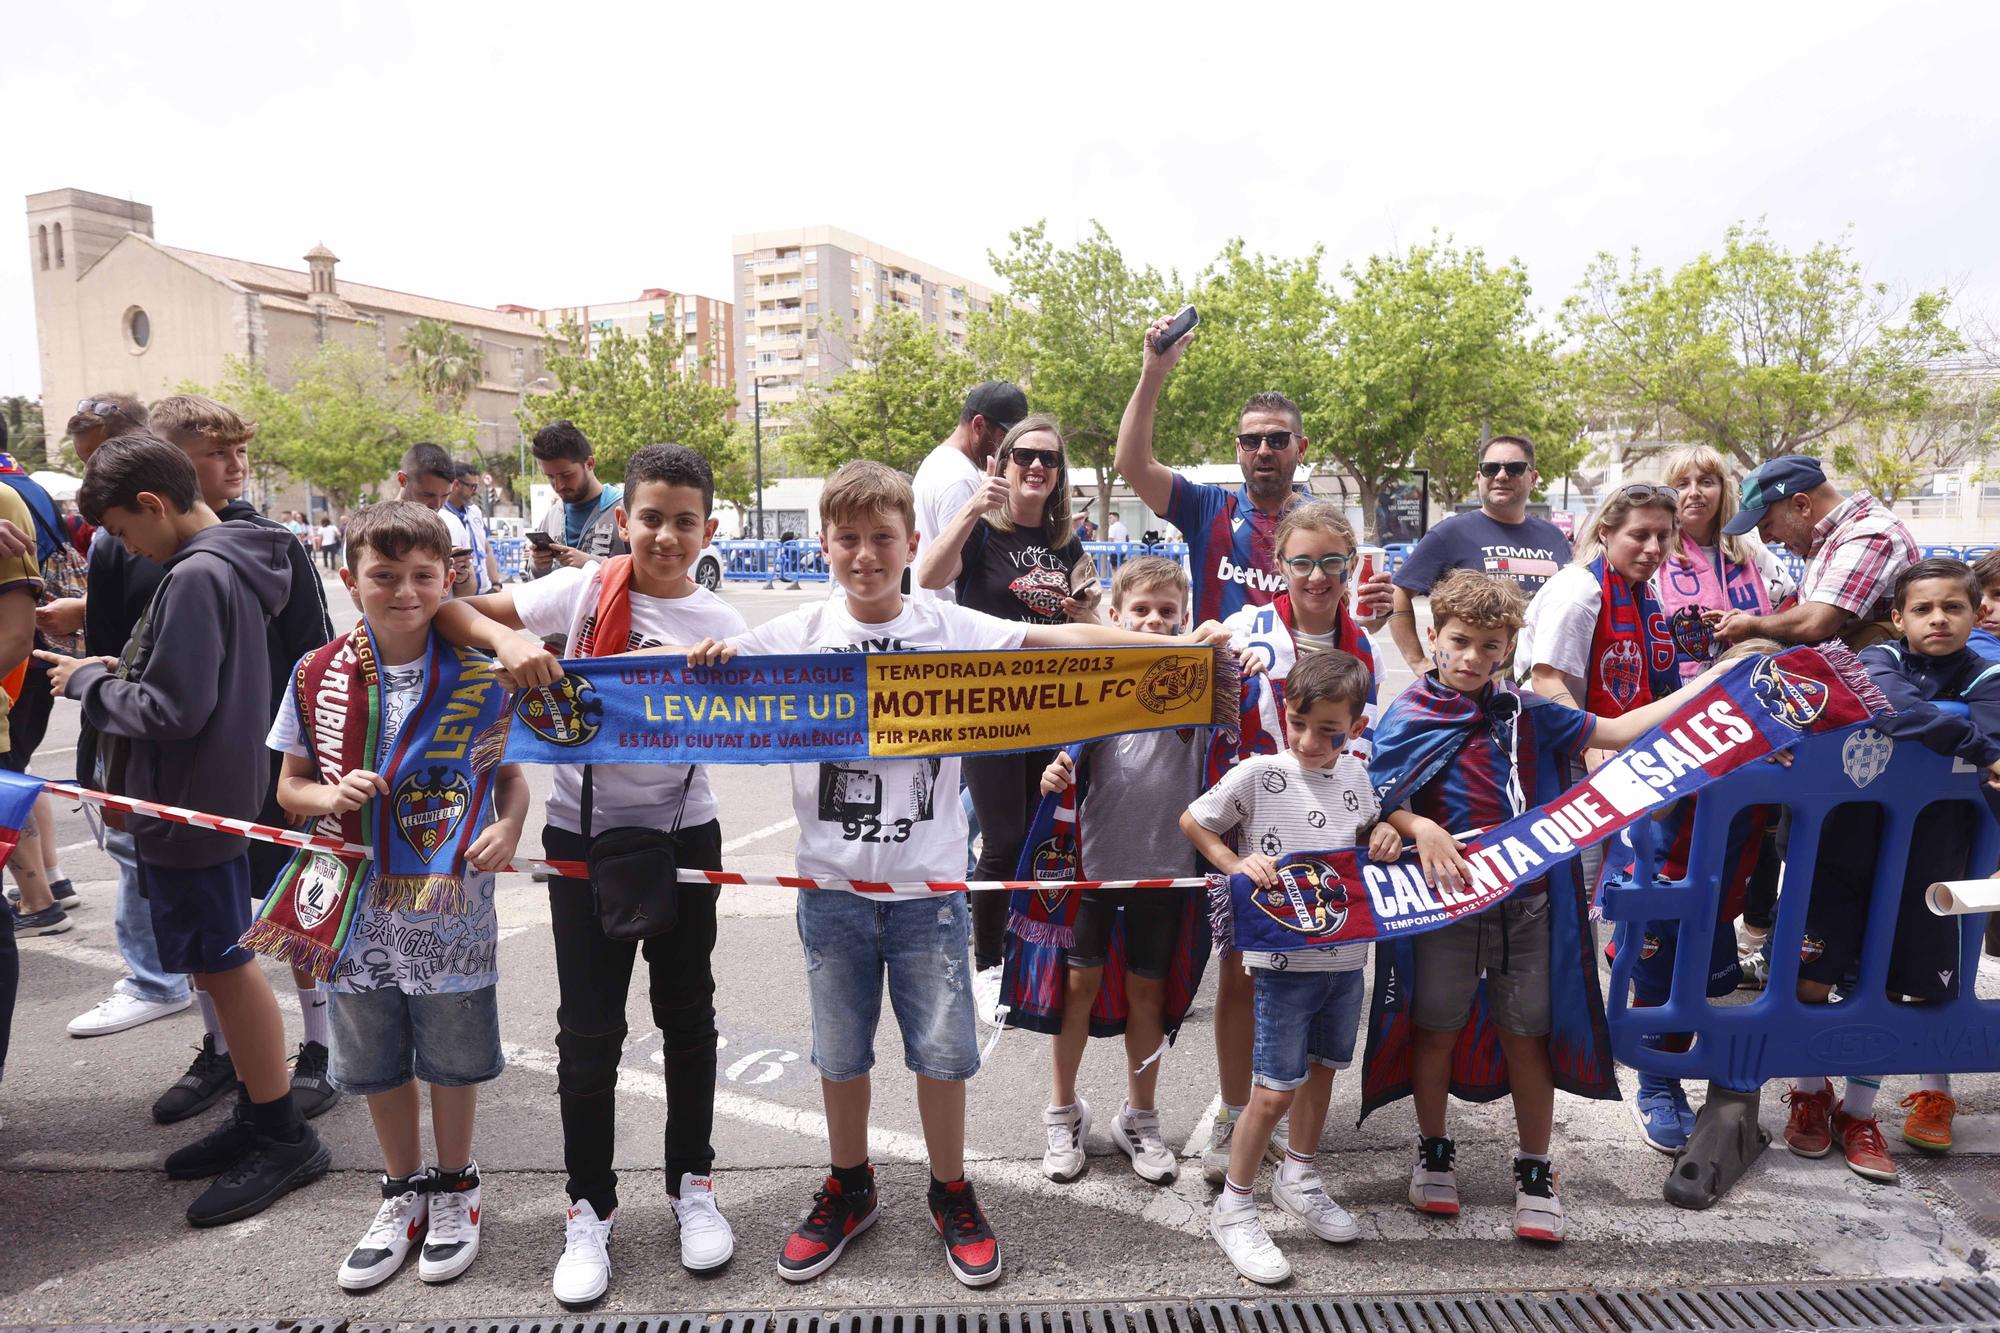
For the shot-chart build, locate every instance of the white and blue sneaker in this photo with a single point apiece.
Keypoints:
(1661, 1109)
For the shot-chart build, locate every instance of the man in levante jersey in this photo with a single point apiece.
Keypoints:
(1228, 533)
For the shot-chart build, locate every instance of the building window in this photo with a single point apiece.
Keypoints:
(138, 329)
(812, 307)
(59, 245)
(812, 284)
(45, 247)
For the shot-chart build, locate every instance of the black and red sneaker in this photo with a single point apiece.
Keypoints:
(970, 1246)
(837, 1217)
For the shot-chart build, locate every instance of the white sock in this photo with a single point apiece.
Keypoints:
(1541, 1157)
(55, 874)
(1234, 1198)
(1859, 1099)
(1131, 1112)
(1814, 1084)
(312, 1006)
(211, 1022)
(1935, 1083)
(1235, 1112)
(1294, 1168)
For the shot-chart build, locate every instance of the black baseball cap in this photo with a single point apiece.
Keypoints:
(999, 402)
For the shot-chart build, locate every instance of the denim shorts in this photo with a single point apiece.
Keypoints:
(383, 1038)
(849, 940)
(1303, 1019)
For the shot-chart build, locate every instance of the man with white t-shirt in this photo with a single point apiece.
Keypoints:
(952, 472)
(602, 608)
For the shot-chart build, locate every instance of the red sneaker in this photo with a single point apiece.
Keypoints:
(1809, 1133)
(970, 1246)
(1861, 1140)
(1928, 1126)
(836, 1217)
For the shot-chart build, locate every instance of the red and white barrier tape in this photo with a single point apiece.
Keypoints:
(576, 870)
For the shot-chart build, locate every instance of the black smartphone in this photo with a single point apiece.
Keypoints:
(1179, 329)
(542, 540)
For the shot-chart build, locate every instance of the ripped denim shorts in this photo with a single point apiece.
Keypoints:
(849, 940)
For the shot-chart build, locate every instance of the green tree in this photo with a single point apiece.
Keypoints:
(441, 361)
(1068, 333)
(340, 422)
(899, 394)
(1958, 425)
(27, 439)
(626, 392)
(1756, 351)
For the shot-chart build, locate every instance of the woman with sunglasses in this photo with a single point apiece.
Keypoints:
(1011, 551)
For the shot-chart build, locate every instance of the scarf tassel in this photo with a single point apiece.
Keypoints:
(1041, 932)
(1228, 691)
(491, 743)
(1221, 917)
(421, 893)
(1853, 673)
(272, 940)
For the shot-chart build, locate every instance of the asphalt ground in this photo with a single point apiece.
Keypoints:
(96, 1232)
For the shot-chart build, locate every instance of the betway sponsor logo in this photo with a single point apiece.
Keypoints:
(1262, 580)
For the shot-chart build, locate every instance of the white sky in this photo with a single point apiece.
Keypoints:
(557, 154)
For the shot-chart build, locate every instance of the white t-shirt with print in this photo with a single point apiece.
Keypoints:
(646, 795)
(892, 819)
(1561, 622)
(420, 953)
(1279, 807)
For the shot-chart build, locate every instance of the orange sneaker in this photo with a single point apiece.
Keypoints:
(1807, 1133)
(1861, 1140)
(1928, 1126)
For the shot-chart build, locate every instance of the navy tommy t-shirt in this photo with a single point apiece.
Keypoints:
(1529, 552)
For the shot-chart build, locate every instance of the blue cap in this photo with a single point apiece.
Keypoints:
(1771, 483)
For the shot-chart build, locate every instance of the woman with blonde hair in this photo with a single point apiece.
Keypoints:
(1711, 570)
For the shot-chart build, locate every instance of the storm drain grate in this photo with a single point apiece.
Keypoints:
(1824, 1307)
(1965, 1190)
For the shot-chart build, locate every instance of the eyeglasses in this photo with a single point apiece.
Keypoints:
(97, 407)
(1517, 468)
(1048, 458)
(1277, 441)
(1333, 566)
(1641, 493)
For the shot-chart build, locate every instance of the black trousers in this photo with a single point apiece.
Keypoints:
(10, 982)
(1005, 790)
(594, 975)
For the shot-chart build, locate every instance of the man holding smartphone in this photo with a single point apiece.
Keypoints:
(582, 525)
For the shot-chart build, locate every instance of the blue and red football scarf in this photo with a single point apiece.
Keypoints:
(1618, 672)
(1041, 926)
(17, 806)
(440, 775)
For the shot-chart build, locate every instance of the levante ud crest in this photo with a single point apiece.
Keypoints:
(566, 713)
(1691, 634)
(1309, 898)
(429, 807)
(1795, 700)
(1620, 669)
(1054, 860)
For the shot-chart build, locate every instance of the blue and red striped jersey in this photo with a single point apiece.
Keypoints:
(1230, 560)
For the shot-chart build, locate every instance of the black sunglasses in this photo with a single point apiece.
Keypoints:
(1048, 458)
(1276, 441)
(1517, 468)
(1640, 492)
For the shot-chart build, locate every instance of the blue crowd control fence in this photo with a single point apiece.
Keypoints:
(1740, 1046)
(512, 555)
(1110, 555)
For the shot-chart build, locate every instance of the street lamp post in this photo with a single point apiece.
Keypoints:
(757, 455)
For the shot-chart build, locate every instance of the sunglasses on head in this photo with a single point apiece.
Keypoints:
(1517, 468)
(1048, 458)
(1275, 440)
(97, 407)
(1640, 492)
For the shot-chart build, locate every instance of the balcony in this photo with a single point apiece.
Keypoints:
(771, 291)
(784, 315)
(781, 344)
(778, 393)
(786, 369)
(788, 264)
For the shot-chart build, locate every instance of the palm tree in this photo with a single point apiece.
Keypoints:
(444, 363)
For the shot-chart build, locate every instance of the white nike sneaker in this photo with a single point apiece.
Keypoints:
(1215, 1157)
(1137, 1134)
(1064, 1160)
(387, 1242)
(1308, 1201)
(1240, 1233)
(454, 1240)
(118, 1011)
(1538, 1205)
(706, 1240)
(583, 1274)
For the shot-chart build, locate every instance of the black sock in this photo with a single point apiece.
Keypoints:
(940, 1187)
(855, 1179)
(278, 1119)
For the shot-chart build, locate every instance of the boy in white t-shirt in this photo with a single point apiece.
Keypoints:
(889, 821)
(642, 601)
(1312, 797)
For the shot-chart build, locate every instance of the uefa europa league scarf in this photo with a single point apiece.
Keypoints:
(440, 773)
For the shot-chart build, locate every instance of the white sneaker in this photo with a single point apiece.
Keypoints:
(454, 1240)
(1240, 1233)
(383, 1247)
(986, 995)
(1308, 1201)
(1281, 1141)
(119, 1011)
(1215, 1157)
(706, 1240)
(1538, 1205)
(584, 1272)
(1433, 1184)
(1137, 1134)
(1064, 1159)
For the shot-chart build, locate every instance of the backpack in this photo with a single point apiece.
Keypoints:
(65, 573)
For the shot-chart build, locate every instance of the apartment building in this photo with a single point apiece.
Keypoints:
(799, 290)
(704, 326)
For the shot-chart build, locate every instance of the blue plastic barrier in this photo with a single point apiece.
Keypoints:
(1776, 1035)
(1110, 555)
(512, 555)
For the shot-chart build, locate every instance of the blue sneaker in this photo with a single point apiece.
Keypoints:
(1658, 1106)
(1686, 1113)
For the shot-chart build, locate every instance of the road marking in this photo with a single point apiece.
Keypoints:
(768, 831)
(90, 955)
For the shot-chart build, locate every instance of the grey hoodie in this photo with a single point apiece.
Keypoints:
(198, 700)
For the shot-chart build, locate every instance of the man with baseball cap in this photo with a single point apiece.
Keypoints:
(952, 471)
(1853, 546)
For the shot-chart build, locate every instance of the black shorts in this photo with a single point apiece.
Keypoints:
(1152, 922)
(199, 914)
(1923, 960)
(28, 720)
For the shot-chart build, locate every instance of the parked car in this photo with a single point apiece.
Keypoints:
(708, 568)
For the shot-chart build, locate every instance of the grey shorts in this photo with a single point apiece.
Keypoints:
(1510, 945)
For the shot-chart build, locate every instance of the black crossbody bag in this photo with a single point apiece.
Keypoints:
(634, 873)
